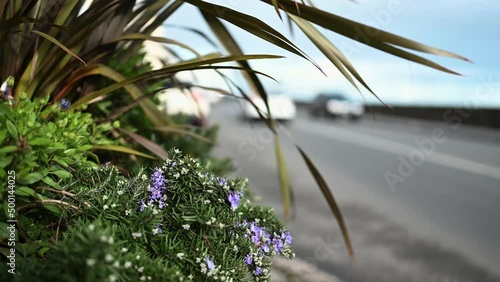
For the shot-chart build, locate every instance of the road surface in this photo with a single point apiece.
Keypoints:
(421, 200)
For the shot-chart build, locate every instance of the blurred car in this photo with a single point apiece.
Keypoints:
(193, 105)
(282, 107)
(336, 105)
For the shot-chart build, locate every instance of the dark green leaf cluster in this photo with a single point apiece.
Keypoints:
(39, 143)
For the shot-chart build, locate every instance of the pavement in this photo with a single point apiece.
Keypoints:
(420, 199)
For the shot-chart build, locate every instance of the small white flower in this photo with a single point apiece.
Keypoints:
(140, 269)
(111, 240)
(222, 225)
(104, 197)
(90, 262)
(190, 276)
(149, 278)
(206, 202)
(105, 207)
(155, 231)
(108, 258)
(177, 175)
(209, 222)
(184, 170)
(155, 211)
(180, 255)
(257, 220)
(113, 205)
(104, 238)
(116, 264)
(136, 235)
(112, 278)
(128, 212)
(120, 192)
(124, 250)
(177, 151)
(143, 278)
(198, 260)
(127, 264)
(138, 257)
(210, 191)
(213, 219)
(144, 177)
(186, 226)
(91, 227)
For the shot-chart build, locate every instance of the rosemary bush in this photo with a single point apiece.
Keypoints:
(175, 222)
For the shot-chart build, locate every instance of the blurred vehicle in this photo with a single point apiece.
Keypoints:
(193, 105)
(282, 107)
(336, 105)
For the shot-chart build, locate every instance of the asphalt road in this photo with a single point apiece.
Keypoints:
(420, 199)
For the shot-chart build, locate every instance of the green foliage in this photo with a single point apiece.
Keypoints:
(164, 224)
(40, 142)
(73, 47)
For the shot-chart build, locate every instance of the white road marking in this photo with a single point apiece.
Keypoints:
(388, 146)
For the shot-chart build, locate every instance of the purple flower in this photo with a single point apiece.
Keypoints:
(287, 237)
(248, 259)
(258, 270)
(107, 164)
(265, 248)
(222, 181)
(278, 244)
(158, 179)
(234, 199)
(210, 264)
(141, 208)
(158, 188)
(65, 103)
(160, 230)
(255, 239)
(174, 164)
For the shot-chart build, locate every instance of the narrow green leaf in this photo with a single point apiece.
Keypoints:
(148, 144)
(230, 44)
(283, 178)
(61, 173)
(24, 191)
(12, 129)
(48, 180)
(144, 37)
(40, 141)
(122, 149)
(30, 178)
(8, 149)
(59, 44)
(6, 160)
(330, 200)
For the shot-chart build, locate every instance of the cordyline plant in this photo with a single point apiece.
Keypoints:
(175, 222)
(55, 48)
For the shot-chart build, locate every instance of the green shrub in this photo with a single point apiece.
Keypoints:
(172, 223)
(39, 144)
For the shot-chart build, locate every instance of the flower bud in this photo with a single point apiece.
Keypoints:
(23, 96)
(116, 124)
(10, 82)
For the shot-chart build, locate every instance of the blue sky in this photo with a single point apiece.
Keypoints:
(469, 28)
